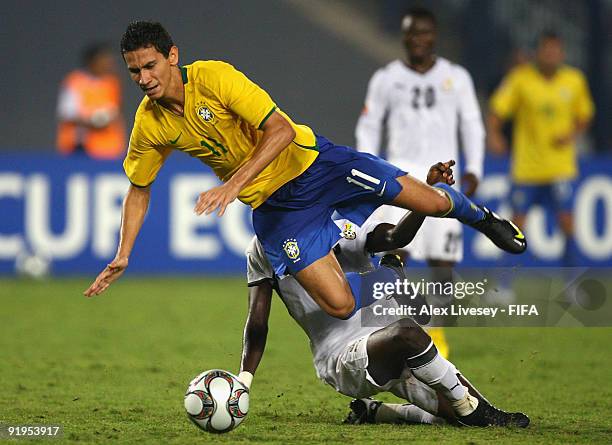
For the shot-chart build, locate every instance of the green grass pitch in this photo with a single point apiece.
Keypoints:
(114, 369)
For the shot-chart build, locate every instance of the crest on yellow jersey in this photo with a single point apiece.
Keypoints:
(204, 112)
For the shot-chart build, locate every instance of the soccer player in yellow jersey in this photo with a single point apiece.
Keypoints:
(550, 105)
(295, 181)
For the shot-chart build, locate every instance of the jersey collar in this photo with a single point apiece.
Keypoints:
(431, 69)
(184, 74)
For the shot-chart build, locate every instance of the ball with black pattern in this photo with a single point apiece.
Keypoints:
(216, 401)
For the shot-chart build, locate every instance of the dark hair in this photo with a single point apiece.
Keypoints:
(549, 34)
(90, 52)
(419, 13)
(141, 34)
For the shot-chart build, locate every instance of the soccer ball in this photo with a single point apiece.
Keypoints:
(35, 265)
(216, 401)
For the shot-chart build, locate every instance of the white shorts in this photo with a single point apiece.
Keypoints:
(438, 238)
(347, 372)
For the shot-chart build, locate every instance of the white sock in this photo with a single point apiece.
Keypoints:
(407, 413)
(465, 406)
(440, 374)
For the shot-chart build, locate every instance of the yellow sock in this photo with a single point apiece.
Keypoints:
(439, 339)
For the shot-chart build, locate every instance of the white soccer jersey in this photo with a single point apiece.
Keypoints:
(424, 113)
(327, 334)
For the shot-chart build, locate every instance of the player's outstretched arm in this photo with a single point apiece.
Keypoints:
(386, 237)
(135, 207)
(277, 135)
(255, 330)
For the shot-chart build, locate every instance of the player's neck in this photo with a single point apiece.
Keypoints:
(547, 72)
(420, 64)
(174, 101)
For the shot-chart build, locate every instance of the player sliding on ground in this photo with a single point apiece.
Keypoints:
(362, 361)
(293, 179)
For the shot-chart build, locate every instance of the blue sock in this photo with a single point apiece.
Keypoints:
(362, 286)
(461, 207)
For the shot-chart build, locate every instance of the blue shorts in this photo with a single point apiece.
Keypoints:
(557, 195)
(295, 225)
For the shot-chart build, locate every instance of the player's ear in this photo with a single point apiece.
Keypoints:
(173, 55)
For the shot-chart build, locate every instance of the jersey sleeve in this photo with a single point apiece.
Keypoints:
(143, 159)
(505, 99)
(244, 97)
(471, 126)
(583, 104)
(368, 132)
(258, 267)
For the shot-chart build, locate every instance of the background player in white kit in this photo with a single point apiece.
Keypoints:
(358, 360)
(426, 102)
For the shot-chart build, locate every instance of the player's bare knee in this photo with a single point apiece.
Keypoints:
(341, 311)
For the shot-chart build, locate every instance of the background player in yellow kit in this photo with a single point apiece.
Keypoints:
(294, 180)
(550, 105)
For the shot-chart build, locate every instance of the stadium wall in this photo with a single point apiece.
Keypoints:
(69, 210)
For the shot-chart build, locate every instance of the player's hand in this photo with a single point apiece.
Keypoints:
(441, 172)
(469, 182)
(216, 198)
(246, 378)
(497, 143)
(110, 274)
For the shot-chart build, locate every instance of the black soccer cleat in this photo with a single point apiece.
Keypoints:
(502, 232)
(486, 414)
(362, 411)
(393, 262)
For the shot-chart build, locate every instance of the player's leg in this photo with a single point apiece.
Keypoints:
(426, 405)
(325, 282)
(307, 256)
(368, 410)
(441, 200)
(348, 373)
(522, 198)
(570, 252)
(342, 295)
(563, 199)
(404, 345)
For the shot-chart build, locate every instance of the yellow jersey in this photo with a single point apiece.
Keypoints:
(222, 121)
(543, 111)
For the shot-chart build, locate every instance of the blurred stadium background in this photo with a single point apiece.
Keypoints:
(315, 57)
(113, 368)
